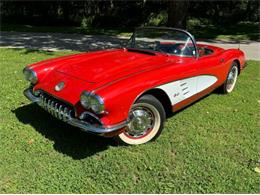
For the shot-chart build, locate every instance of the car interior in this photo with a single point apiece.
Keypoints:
(181, 49)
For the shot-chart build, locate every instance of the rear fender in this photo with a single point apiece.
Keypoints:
(231, 55)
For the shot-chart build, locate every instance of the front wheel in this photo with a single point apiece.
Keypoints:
(146, 117)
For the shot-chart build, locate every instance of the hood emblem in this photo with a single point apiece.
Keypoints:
(59, 86)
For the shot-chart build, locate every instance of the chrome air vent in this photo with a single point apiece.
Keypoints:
(56, 107)
(184, 88)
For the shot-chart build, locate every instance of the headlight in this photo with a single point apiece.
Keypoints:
(92, 101)
(30, 75)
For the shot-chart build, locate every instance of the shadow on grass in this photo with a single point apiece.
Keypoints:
(29, 51)
(67, 139)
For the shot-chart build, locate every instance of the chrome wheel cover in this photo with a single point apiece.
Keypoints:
(231, 79)
(143, 119)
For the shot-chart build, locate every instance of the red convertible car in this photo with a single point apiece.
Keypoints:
(127, 92)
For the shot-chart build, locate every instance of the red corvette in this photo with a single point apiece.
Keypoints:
(127, 93)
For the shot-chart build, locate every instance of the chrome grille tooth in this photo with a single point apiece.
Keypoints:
(60, 112)
(52, 110)
(45, 103)
(49, 105)
(65, 114)
(41, 100)
(52, 107)
(70, 114)
(56, 110)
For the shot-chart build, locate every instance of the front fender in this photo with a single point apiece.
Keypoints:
(120, 96)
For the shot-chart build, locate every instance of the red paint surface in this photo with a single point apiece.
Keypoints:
(120, 76)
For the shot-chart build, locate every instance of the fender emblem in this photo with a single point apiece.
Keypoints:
(59, 86)
(176, 94)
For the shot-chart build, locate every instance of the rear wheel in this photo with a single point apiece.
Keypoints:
(231, 80)
(147, 117)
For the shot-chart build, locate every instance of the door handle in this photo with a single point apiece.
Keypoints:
(222, 60)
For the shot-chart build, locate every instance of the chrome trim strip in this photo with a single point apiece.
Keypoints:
(87, 113)
(28, 93)
(65, 115)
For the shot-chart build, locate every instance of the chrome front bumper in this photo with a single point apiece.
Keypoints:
(64, 113)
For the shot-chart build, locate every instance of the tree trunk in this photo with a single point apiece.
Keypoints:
(177, 13)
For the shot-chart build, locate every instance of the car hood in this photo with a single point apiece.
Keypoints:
(108, 65)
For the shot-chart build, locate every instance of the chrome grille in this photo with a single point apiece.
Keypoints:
(56, 107)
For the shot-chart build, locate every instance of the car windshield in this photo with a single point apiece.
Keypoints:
(170, 41)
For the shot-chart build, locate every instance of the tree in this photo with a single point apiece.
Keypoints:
(177, 13)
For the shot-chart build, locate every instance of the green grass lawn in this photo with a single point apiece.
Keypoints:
(235, 33)
(205, 148)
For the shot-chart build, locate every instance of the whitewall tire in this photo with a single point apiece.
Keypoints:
(231, 79)
(147, 117)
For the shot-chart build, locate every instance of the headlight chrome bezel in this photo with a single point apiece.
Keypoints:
(93, 102)
(30, 75)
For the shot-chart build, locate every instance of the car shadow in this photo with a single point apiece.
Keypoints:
(67, 140)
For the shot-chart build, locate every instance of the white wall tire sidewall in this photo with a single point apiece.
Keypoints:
(131, 141)
(229, 90)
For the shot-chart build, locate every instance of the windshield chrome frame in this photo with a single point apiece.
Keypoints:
(172, 29)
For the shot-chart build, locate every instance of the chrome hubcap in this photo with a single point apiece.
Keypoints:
(231, 79)
(142, 119)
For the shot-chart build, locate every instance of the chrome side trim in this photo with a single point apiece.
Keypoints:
(63, 113)
(87, 127)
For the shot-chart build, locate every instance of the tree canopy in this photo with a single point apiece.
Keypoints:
(115, 13)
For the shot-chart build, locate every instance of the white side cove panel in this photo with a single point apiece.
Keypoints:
(180, 90)
(205, 81)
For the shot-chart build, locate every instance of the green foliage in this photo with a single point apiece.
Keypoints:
(205, 148)
(106, 21)
(159, 19)
(117, 14)
(86, 22)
